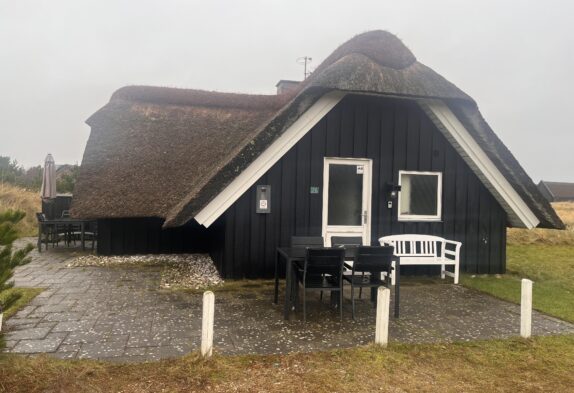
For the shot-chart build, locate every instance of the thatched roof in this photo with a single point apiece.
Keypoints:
(150, 146)
(167, 152)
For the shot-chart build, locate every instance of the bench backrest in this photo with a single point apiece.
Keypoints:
(415, 245)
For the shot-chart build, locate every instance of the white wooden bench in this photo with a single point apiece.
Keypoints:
(426, 250)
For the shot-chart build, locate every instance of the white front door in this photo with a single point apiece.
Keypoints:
(347, 198)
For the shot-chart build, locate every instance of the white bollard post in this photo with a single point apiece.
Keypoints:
(526, 309)
(1, 316)
(382, 327)
(207, 324)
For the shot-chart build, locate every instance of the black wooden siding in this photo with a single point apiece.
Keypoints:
(127, 236)
(396, 135)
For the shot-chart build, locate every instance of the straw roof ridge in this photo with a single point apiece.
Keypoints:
(195, 97)
(384, 48)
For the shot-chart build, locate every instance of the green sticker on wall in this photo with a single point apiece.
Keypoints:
(314, 190)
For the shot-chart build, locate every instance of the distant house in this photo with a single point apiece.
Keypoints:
(556, 191)
(236, 175)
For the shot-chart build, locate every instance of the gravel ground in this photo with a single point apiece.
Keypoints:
(179, 271)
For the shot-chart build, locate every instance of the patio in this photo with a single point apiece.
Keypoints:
(120, 314)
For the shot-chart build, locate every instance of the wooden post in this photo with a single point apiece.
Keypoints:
(526, 309)
(382, 327)
(207, 324)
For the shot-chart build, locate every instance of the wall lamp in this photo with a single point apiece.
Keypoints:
(392, 190)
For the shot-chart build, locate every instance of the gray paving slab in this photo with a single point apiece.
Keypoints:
(121, 315)
(50, 343)
(32, 333)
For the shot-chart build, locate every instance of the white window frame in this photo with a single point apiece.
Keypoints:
(421, 217)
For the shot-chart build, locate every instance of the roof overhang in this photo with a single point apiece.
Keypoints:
(268, 158)
(519, 214)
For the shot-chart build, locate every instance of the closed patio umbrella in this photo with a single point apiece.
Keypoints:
(48, 190)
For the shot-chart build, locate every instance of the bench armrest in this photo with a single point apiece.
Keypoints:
(454, 254)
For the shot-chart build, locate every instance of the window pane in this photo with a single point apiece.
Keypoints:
(419, 194)
(345, 195)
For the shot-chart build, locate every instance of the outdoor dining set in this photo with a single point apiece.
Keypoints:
(65, 229)
(311, 266)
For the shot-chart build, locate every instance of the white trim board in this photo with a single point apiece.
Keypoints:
(268, 158)
(517, 210)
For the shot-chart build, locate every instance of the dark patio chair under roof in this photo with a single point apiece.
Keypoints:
(322, 271)
(307, 241)
(374, 260)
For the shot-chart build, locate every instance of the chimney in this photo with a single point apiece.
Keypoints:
(285, 86)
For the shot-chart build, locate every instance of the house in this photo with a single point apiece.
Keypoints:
(372, 143)
(555, 191)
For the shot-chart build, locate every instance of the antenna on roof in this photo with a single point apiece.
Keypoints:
(305, 60)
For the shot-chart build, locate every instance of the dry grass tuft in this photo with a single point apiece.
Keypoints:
(548, 236)
(16, 198)
(566, 212)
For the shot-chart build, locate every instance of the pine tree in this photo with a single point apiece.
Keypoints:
(9, 259)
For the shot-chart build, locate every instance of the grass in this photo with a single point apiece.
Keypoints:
(566, 212)
(26, 296)
(550, 267)
(548, 236)
(16, 198)
(497, 365)
(544, 256)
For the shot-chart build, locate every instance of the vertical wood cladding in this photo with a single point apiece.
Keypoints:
(396, 135)
(127, 236)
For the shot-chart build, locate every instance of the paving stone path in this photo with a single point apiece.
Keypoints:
(120, 314)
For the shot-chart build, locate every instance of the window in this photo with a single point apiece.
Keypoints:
(420, 196)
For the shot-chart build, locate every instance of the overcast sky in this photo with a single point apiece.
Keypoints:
(60, 60)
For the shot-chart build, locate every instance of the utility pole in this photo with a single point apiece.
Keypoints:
(305, 60)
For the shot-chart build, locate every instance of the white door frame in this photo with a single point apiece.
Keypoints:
(363, 230)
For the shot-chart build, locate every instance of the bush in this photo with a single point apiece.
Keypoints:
(9, 259)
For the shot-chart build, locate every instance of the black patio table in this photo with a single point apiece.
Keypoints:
(292, 255)
(62, 221)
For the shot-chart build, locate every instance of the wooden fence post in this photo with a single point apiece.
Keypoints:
(382, 327)
(526, 309)
(207, 324)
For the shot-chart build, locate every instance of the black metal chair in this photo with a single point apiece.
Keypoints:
(322, 271)
(307, 241)
(340, 241)
(373, 260)
(49, 232)
(68, 230)
(91, 232)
